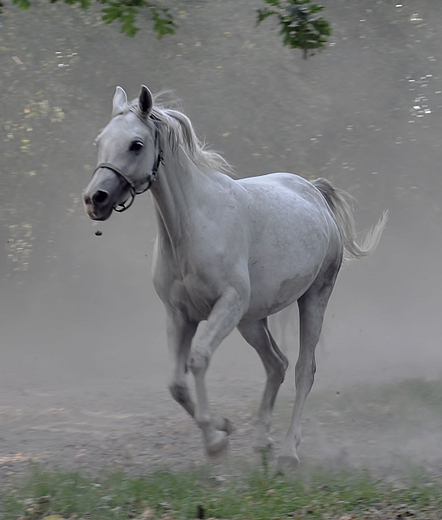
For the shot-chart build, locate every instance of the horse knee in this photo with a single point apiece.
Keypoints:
(198, 361)
(179, 392)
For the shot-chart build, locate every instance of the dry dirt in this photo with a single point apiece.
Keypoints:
(132, 424)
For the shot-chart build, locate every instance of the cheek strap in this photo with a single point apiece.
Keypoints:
(150, 177)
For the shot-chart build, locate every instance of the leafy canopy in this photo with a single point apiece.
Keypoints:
(301, 27)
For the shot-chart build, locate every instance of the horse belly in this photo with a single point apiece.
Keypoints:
(270, 294)
(285, 261)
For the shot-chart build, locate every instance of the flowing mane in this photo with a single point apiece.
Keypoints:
(177, 129)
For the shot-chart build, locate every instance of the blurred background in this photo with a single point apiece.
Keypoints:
(79, 310)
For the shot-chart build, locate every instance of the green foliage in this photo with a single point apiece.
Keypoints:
(123, 11)
(26, 4)
(22, 4)
(255, 496)
(163, 23)
(300, 25)
(83, 3)
(126, 11)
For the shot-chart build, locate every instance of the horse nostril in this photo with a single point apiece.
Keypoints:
(100, 197)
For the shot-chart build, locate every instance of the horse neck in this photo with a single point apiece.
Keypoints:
(179, 187)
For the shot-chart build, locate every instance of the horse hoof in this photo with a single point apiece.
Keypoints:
(266, 444)
(223, 424)
(289, 462)
(218, 446)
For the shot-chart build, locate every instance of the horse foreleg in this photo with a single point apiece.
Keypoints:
(223, 318)
(180, 333)
(275, 363)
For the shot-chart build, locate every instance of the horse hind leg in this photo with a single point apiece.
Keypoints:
(275, 363)
(312, 307)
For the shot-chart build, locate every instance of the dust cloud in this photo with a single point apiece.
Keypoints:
(81, 325)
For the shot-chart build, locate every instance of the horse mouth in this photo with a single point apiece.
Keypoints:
(95, 213)
(100, 218)
(103, 194)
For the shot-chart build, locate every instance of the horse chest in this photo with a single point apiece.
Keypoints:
(187, 285)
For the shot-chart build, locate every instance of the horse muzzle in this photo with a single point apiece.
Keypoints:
(104, 192)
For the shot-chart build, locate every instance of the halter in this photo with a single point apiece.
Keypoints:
(150, 177)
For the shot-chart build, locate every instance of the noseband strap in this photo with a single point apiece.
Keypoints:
(150, 177)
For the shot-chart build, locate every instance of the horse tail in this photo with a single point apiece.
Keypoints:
(339, 202)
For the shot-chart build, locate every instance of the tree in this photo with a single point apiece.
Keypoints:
(301, 26)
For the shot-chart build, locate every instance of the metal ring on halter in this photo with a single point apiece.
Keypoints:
(150, 178)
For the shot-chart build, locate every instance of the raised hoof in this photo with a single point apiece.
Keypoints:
(218, 446)
(264, 444)
(287, 462)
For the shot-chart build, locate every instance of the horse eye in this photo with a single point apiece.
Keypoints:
(136, 146)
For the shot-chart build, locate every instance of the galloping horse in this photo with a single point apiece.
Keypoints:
(229, 252)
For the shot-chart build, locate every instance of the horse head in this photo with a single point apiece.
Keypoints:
(128, 156)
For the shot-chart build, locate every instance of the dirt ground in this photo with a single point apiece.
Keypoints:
(136, 426)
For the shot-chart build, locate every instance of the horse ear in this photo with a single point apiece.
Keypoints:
(119, 101)
(145, 101)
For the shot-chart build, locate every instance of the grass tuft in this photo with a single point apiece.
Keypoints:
(257, 495)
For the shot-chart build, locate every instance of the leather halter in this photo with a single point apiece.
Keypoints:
(150, 177)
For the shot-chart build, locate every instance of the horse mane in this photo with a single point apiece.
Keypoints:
(177, 129)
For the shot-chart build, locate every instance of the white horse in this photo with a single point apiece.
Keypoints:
(228, 251)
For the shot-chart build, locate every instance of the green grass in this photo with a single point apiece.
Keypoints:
(256, 495)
